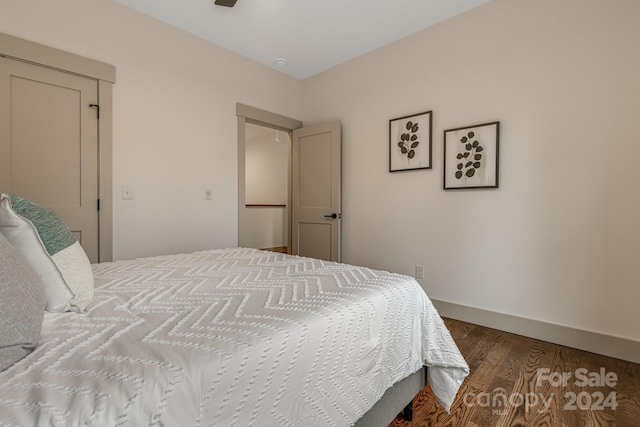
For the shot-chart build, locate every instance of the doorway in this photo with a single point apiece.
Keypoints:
(266, 188)
(256, 124)
(314, 176)
(44, 78)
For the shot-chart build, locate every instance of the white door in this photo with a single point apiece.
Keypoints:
(49, 144)
(316, 191)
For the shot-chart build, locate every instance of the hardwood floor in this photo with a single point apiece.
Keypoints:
(518, 381)
(282, 249)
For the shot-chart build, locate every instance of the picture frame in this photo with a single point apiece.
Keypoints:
(410, 142)
(471, 157)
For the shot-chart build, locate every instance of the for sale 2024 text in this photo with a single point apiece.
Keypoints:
(581, 377)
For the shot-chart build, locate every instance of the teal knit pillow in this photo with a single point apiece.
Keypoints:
(52, 251)
(52, 231)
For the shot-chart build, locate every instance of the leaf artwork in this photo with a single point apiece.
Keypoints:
(409, 140)
(470, 158)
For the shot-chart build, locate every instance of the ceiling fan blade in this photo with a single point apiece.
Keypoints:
(228, 3)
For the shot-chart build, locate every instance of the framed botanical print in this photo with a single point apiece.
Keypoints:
(410, 142)
(471, 156)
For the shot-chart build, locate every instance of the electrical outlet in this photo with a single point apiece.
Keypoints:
(208, 194)
(127, 192)
(419, 271)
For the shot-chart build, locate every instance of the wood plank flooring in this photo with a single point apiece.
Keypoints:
(282, 249)
(518, 381)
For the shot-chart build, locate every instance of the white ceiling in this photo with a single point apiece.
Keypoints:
(311, 35)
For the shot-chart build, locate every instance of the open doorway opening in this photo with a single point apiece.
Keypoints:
(254, 125)
(266, 188)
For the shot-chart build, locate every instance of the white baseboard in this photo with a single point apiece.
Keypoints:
(620, 348)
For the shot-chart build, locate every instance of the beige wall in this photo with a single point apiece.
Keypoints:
(175, 128)
(560, 240)
(266, 168)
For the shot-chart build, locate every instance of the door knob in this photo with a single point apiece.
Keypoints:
(332, 216)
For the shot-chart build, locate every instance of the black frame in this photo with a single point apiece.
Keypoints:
(466, 157)
(397, 153)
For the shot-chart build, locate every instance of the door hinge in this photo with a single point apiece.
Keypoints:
(97, 107)
(98, 204)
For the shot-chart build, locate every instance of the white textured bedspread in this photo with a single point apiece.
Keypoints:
(232, 337)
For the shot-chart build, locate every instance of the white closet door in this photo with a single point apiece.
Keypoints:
(49, 144)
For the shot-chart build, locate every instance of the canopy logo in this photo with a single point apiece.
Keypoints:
(500, 401)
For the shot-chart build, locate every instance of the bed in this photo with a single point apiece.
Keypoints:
(234, 337)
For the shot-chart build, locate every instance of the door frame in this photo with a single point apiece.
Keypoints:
(105, 74)
(247, 114)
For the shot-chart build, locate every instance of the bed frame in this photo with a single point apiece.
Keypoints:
(394, 401)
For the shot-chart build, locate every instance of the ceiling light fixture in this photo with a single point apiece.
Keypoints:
(280, 62)
(227, 3)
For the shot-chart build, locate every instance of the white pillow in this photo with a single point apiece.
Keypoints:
(50, 248)
(21, 306)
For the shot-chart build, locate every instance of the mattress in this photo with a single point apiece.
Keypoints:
(231, 337)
